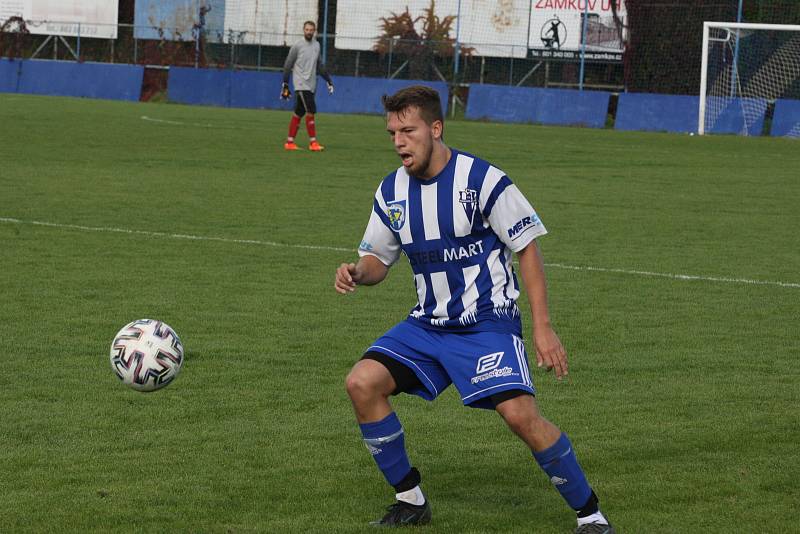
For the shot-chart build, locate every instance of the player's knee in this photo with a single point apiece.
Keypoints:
(299, 113)
(521, 415)
(519, 422)
(536, 431)
(361, 386)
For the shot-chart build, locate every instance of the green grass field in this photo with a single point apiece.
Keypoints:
(673, 266)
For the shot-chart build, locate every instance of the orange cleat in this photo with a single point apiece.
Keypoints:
(290, 145)
(315, 147)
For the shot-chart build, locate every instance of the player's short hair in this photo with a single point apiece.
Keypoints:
(310, 22)
(420, 96)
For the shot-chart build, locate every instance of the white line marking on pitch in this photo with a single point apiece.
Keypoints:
(172, 236)
(146, 118)
(685, 277)
(193, 124)
(164, 121)
(676, 276)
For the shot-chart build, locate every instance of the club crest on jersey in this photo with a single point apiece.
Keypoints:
(397, 214)
(469, 200)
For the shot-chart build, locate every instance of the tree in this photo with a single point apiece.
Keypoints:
(665, 38)
(12, 37)
(400, 36)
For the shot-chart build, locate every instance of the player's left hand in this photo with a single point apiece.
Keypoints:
(550, 353)
(330, 88)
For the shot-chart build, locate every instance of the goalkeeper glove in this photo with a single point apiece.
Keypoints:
(330, 88)
(285, 93)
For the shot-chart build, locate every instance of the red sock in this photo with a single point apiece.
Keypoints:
(293, 127)
(311, 127)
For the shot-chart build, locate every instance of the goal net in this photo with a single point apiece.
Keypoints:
(745, 69)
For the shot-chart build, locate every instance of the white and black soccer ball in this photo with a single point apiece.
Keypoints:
(146, 354)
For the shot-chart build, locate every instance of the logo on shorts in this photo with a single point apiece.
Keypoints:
(489, 367)
(397, 214)
(488, 362)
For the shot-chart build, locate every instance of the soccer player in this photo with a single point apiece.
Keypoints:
(304, 63)
(458, 219)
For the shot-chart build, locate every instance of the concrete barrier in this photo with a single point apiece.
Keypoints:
(69, 78)
(657, 113)
(261, 90)
(786, 119)
(9, 75)
(563, 107)
(740, 116)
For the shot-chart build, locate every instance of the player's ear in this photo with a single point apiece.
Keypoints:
(437, 127)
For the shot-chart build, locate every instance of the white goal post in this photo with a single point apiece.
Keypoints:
(774, 71)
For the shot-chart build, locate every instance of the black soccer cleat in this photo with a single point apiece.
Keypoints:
(403, 514)
(595, 528)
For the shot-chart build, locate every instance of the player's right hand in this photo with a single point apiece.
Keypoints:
(344, 282)
(285, 92)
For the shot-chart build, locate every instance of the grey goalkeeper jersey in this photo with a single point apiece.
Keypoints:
(304, 63)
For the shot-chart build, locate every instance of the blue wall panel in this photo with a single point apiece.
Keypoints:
(248, 89)
(89, 80)
(546, 106)
(786, 121)
(9, 75)
(363, 95)
(657, 113)
(501, 103)
(259, 90)
(226, 88)
(209, 87)
(742, 116)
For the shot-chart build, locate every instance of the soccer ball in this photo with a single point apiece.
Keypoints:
(146, 354)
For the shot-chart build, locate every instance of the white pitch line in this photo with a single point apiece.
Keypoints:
(672, 276)
(676, 276)
(164, 121)
(192, 124)
(172, 236)
(146, 118)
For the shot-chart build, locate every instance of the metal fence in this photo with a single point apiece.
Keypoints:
(662, 42)
(390, 58)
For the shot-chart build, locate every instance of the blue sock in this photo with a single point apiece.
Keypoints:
(385, 440)
(562, 467)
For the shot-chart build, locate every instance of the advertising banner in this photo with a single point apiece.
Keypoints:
(87, 18)
(557, 29)
(498, 28)
(176, 20)
(228, 21)
(267, 23)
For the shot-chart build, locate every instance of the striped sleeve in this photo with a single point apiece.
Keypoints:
(379, 240)
(509, 213)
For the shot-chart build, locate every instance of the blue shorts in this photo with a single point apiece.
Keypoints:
(480, 364)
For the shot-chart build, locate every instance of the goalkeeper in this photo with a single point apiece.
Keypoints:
(304, 63)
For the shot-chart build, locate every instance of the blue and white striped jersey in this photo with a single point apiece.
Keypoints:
(458, 230)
